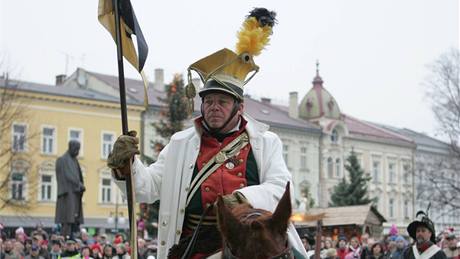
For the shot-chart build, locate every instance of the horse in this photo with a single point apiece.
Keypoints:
(250, 233)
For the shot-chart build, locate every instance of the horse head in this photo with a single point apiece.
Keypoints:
(253, 233)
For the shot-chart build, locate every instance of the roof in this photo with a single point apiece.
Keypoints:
(359, 128)
(347, 215)
(423, 141)
(277, 117)
(59, 91)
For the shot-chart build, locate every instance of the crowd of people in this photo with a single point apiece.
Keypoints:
(365, 247)
(42, 245)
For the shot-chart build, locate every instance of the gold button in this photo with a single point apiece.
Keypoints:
(241, 160)
(178, 232)
(203, 164)
(239, 174)
(162, 243)
(191, 166)
(241, 184)
(206, 189)
(164, 223)
(208, 204)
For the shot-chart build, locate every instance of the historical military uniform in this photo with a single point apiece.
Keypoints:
(427, 249)
(201, 163)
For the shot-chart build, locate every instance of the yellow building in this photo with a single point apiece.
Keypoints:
(53, 115)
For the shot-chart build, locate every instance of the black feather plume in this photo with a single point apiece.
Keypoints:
(263, 16)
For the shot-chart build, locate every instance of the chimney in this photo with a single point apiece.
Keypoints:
(159, 83)
(293, 109)
(60, 79)
(266, 100)
(197, 83)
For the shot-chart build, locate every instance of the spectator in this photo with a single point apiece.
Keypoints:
(451, 251)
(141, 248)
(331, 253)
(399, 248)
(86, 253)
(376, 252)
(122, 252)
(71, 251)
(56, 249)
(108, 252)
(96, 251)
(355, 249)
(8, 250)
(34, 253)
(342, 250)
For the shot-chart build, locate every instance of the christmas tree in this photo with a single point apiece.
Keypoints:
(172, 120)
(354, 192)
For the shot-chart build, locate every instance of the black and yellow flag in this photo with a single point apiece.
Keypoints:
(129, 26)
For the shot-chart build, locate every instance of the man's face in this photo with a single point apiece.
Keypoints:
(452, 243)
(422, 234)
(108, 250)
(8, 245)
(56, 248)
(400, 244)
(217, 109)
(71, 247)
(342, 243)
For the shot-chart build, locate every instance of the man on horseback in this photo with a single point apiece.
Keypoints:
(227, 153)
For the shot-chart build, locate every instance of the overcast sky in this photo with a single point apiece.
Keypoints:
(373, 54)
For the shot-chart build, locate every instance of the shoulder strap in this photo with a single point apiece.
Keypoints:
(216, 161)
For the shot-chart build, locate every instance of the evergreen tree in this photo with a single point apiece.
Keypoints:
(354, 192)
(172, 120)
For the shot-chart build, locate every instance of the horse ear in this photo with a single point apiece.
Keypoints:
(283, 211)
(228, 224)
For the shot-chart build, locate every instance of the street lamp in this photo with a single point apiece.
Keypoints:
(116, 217)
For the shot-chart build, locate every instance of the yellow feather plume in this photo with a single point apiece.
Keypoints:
(252, 38)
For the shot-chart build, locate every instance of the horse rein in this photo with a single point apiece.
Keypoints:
(286, 254)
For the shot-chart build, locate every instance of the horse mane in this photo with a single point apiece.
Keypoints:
(254, 233)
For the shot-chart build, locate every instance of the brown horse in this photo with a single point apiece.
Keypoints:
(255, 233)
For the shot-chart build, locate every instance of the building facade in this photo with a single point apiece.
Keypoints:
(52, 116)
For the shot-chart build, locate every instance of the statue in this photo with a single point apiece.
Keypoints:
(70, 189)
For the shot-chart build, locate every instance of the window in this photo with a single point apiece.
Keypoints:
(18, 180)
(19, 138)
(391, 209)
(48, 140)
(107, 144)
(303, 158)
(285, 153)
(17, 186)
(334, 136)
(106, 190)
(406, 174)
(330, 167)
(406, 209)
(391, 173)
(376, 171)
(338, 167)
(46, 187)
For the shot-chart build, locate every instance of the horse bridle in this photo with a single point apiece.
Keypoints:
(285, 254)
(228, 254)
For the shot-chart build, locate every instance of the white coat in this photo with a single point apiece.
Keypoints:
(170, 177)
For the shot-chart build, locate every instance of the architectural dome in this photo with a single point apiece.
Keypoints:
(318, 102)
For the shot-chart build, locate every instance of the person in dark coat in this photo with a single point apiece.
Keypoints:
(70, 188)
(423, 232)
